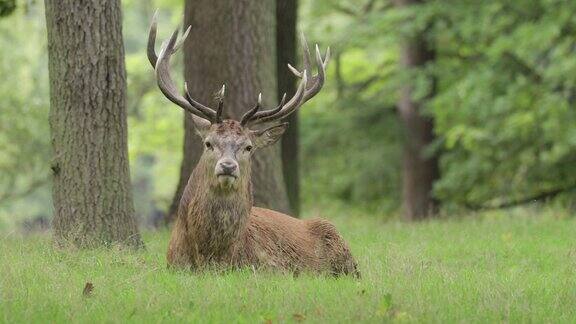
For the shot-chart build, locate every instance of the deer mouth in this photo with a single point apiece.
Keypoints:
(226, 175)
(226, 180)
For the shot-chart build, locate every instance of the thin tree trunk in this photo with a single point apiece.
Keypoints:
(419, 171)
(286, 16)
(230, 43)
(91, 191)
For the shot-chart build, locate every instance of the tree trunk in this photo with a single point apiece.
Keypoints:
(230, 43)
(91, 191)
(286, 16)
(419, 171)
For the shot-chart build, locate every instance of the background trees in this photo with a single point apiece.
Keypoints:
(503, 105)
(503, 98)
(504, 115)
(24, 140)
(419, 168)
(91, 180)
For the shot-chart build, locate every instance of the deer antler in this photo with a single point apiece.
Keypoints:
(161, 64)
(309, 86)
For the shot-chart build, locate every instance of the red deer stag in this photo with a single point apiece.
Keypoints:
(216, 222)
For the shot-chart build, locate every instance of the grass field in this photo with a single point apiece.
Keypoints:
(498, 267)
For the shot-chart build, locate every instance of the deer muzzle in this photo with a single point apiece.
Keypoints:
(227, 171)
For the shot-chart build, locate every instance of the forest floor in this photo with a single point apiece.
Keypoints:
(494, 267)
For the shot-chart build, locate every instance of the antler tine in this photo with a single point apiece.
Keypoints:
(164, 79)
(269, 112)
(150, 51)
(218, 118)
(318, 80)
(206, 111)
(293, 104)
(326, 58)
(309, 85)
(181, 42)
(306, 56)
(165, 82)
(248, 116)
(161, 64)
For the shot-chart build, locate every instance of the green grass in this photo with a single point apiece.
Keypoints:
(497, 267)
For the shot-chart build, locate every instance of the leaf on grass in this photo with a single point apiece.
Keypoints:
(298, 317)
(88, 288)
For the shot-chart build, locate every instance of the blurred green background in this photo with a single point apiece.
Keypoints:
(505, 106)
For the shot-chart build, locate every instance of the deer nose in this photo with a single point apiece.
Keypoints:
(228, 167)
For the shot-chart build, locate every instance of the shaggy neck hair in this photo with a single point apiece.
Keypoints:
(215, 216)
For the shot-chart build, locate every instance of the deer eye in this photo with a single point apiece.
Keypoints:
(248, 148)
(208, 145)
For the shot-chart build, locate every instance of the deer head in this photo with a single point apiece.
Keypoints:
(229, 144)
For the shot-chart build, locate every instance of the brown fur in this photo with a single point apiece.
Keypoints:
(219, 226)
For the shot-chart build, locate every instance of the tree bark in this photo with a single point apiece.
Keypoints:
(230, 43)
(91, 179)
(419, 171)
(286, 17)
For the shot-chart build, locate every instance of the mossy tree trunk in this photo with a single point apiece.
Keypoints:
(91, 183)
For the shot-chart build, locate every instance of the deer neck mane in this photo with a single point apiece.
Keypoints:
(215, 218)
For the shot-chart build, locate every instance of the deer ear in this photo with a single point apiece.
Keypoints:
(201, 126)
(268, 136)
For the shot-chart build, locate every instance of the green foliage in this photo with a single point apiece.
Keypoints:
(24, 101)
(350, 136)
(504, 107)
(155, 126)
(514, 267)
(7, 7)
